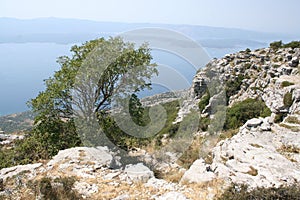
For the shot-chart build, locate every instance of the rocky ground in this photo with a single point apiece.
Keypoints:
(264, 152)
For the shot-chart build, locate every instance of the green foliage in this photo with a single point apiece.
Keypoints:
(233, 86)
(83, 75)
(61, 190)
(293, 45)
(204, 101)
(126, 141)
(242, 111)
(288, 99)
(248, 50)
(286, 84)
(276, 44)
(241, 192)
(279, 117)
(136, 111)
(203, 123)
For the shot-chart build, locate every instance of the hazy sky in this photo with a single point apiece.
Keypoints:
(263, 15)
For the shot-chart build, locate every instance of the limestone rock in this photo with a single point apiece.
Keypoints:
(13, 171)
(199, 172)
(138, 172)
(253, 123)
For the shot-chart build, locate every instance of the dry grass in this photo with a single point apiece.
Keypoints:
(256, 145)
(252, 171)
(292, 128)
(208, 190)
(292, 120)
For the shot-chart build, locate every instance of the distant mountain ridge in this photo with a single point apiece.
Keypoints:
(66, 31)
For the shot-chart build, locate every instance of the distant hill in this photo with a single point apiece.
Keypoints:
(16, 122)
(65, 31)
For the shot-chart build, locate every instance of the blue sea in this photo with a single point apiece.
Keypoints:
(24, 66)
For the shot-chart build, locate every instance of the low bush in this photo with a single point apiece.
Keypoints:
(233, 86)
(288, 99)
(204, 101)
(242, 111)
(286, 84)
(59, 188)
(241, 192)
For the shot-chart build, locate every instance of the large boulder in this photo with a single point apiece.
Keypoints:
(199, 172)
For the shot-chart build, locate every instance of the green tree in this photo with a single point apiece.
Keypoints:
(85, 86)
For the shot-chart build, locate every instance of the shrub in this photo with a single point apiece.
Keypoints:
(233, 86)
(61, 190)
(204, 101)
(242, 111)
(286, 84)
(276, 45)
(241, 192)
(293, 45)
(279, 117)
(288, 99)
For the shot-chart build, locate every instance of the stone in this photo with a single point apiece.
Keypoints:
(85, 189)
(199, 172)
(138, 172)
(294, 62)
(100, 157)
(13, 171)
(253, 123)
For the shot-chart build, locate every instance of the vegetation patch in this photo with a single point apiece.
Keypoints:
(292, 128)
(59, 188)
(292, 120)
(279, 44)
(242, 111)
(242, 192)
(286, 84)
(252, 171)
(288, 99)
(204, 101)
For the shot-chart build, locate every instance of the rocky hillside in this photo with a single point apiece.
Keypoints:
(259, 152)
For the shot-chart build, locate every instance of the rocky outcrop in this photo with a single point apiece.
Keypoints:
(255, 156)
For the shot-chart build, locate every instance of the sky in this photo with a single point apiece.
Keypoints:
(261, 15)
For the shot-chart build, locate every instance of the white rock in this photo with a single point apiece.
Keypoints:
(138, 172)
(85, 189)
(100, 157)
(253, 123)
(12, 171)
(198, 173)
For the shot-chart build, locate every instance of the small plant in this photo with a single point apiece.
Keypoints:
(279, 117)
(59, 188)
(204, 101)
(292, 120)
(292, 128)
(286, 84)
(288, 99)
(242, 192)
(242, 111)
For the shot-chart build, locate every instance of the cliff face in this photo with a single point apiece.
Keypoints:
(263, 153)
(265, 73)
